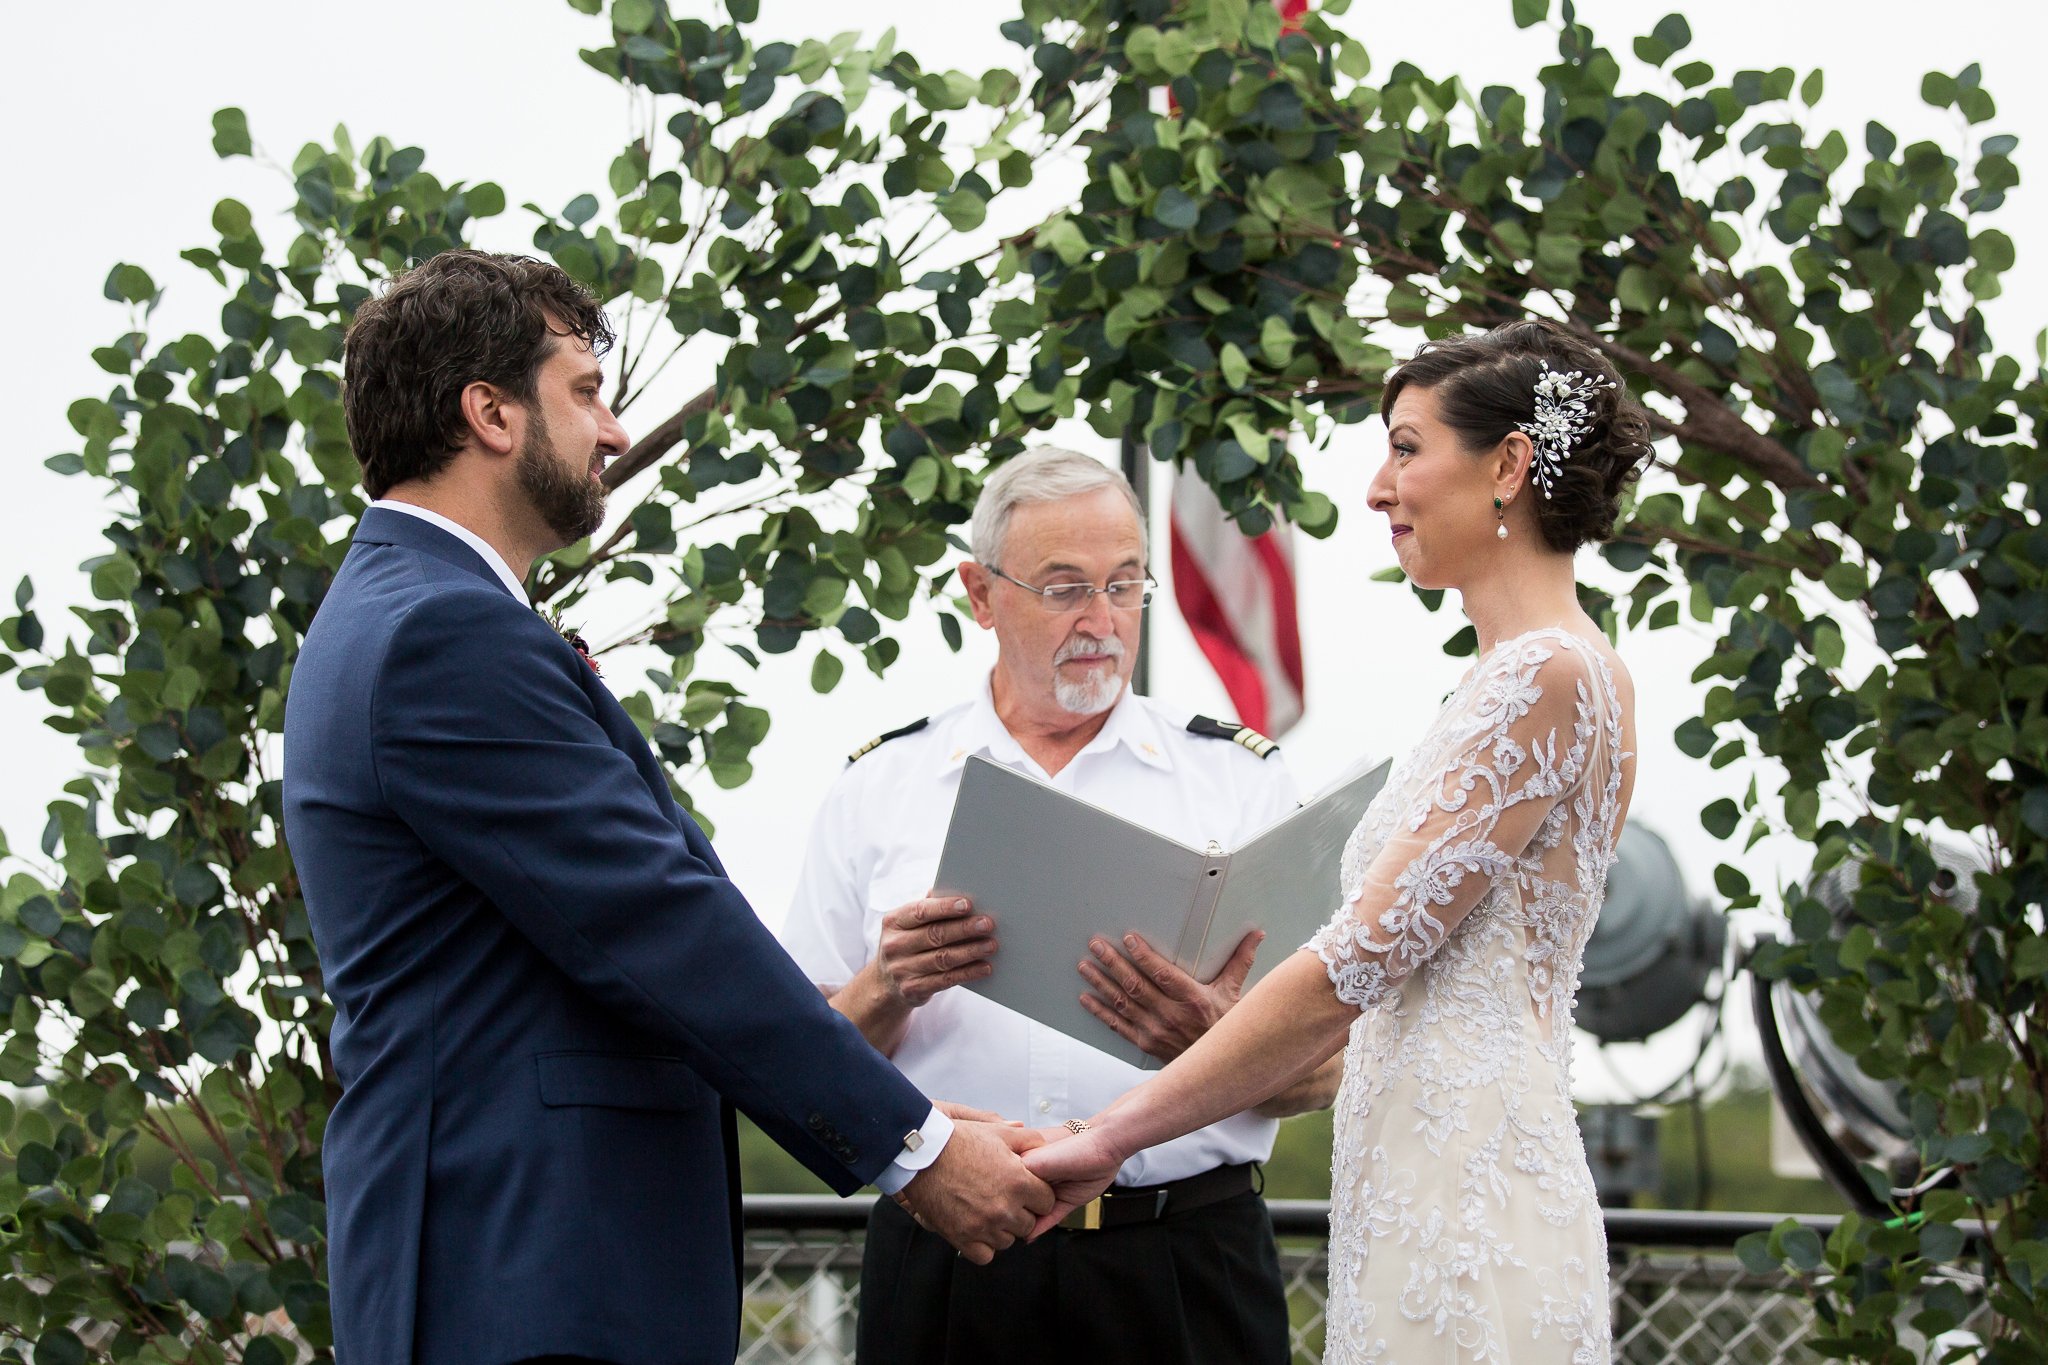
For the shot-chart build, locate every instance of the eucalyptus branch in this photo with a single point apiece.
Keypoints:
(1709, 421)
(168, 1135)
(649, 449)
(1696, 545)
(196, 1105)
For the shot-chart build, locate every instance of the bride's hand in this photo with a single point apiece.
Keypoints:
(1078, 1166)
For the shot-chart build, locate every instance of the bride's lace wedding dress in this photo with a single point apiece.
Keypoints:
(1463, 1223)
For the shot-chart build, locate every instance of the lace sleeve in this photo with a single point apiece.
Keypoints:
(1515, 750)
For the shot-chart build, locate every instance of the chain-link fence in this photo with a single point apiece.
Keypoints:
(1679, 1293)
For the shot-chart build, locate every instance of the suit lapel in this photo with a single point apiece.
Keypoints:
(382, 526)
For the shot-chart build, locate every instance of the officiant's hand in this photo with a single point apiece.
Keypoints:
(1155, 1004)
(978, 1195)
(931, 944)
(926, 946)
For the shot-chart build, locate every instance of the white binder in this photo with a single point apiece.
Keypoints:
(1055, 871)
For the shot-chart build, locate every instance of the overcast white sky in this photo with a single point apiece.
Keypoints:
(107, 111)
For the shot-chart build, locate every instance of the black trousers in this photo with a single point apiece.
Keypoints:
(1196, 1288)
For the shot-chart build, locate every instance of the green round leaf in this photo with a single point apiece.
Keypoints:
(60, 1346)
(826, 670)
(1802, 1247)
(1176, 209)
(231, 133)
(231, 218)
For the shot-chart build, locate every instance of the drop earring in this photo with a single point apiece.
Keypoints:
(1500, 509)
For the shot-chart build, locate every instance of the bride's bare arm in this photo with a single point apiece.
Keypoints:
(1465, 831)
(1315, 1089)
(1287, 1025)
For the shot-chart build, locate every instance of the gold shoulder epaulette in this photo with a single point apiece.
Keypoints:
(879, 740)
(1232, 731)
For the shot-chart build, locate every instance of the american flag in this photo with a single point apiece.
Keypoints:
(1236, 592)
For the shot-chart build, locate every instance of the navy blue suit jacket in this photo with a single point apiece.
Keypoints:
(547, 995)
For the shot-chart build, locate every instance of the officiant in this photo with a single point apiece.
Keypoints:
(1176, 1262)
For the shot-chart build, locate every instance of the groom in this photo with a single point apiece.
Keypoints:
(548, 999)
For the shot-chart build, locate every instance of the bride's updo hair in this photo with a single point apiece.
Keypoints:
(1485, 387)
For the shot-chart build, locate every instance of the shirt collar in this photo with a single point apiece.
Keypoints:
(1131, 723)
(467, 537)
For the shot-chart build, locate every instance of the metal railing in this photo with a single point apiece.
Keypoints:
(1679, 1294)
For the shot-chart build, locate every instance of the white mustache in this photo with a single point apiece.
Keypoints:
(1110, 648)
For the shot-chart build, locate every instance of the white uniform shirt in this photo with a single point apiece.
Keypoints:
(876, 843)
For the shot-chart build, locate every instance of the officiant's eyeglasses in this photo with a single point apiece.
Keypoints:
(1126, 594)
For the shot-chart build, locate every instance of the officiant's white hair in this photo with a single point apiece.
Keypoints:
(1041, 474)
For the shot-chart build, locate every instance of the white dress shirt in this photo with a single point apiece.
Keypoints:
(875, 845)
(937, 1129)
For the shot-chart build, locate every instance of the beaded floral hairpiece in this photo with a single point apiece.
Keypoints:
(1563, 416)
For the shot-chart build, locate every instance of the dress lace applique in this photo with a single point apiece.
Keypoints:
(1463, 1220)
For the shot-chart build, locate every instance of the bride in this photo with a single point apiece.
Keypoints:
(1463, 1223)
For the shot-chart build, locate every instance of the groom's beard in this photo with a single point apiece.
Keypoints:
(1097, 690)
(571, 504)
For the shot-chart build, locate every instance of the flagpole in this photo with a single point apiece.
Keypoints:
(1138, 469)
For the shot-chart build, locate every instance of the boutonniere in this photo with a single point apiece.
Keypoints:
(569, 633)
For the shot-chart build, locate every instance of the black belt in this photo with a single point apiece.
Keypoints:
(1121, 1205)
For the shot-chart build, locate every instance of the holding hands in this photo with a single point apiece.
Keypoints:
(1077, 1163)
(998, 1182)
(978, 1194)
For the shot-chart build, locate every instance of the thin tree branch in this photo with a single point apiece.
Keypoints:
(1710, 421)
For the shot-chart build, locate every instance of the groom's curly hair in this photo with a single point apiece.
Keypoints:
(451, 321)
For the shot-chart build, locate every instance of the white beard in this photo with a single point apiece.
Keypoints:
(1097, 690)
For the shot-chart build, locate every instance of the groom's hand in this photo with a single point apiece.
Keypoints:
(1155, 1004)
(959, 1112)
(977, 1195)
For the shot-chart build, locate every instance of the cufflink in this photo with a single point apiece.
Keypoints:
(913, 1140)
